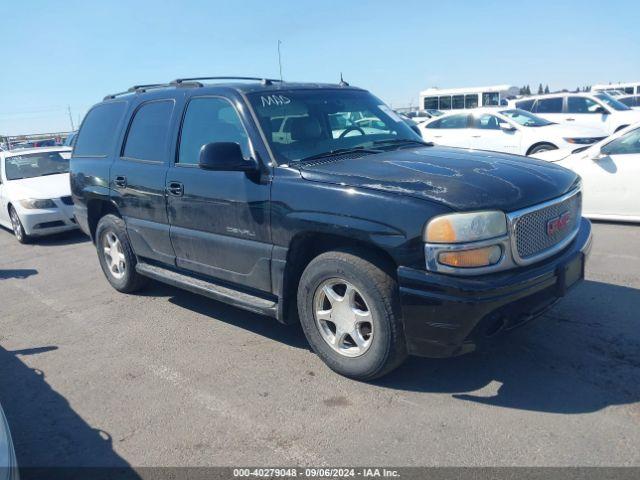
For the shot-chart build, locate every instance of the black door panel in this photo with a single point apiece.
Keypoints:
(220, 226)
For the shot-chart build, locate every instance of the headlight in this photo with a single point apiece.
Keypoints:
(33, 203)
(466, 227)
(583, 140)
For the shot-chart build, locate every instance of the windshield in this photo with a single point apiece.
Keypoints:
(35, 165)
(304, 123)
(612, 102)
(525, 118)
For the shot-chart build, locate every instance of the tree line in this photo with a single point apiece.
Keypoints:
(526, 90)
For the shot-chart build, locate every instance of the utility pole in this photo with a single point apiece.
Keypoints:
(70, 117)
(279, 60)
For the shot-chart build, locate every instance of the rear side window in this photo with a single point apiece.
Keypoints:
(549, 105)
(430, 103)
(525, 105)
(98, 130)
(149, 131)
(452, 121)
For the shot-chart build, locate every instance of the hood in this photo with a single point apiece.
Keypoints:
(574, 131)
(631, 116)
(50, 186)
(460, 179)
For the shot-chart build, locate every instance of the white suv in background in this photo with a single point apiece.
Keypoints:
(506, 130)
(597, 109)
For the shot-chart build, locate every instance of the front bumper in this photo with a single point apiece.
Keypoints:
(38, 222)
(446, 315)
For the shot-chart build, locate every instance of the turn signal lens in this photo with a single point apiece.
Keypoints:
(466, 227)
(478, 257)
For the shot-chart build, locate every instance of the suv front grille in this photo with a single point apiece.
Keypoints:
(541, 232)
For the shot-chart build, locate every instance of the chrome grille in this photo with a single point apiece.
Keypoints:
(534, 238)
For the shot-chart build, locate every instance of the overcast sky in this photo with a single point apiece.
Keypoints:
(59, 54)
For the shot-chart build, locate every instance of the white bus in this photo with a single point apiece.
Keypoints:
(631, 88)
(465, 98)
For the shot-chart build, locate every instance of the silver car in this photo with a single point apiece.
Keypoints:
(8, 464)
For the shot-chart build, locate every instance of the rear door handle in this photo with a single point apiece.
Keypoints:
(571, 119)
(120, 181)
(175, 188)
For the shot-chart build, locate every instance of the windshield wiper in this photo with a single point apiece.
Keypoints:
(402, 141)
(339, 151)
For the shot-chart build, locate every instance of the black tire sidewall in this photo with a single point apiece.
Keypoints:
(111, 223)
(24, 237)
(374, 360)
(544, 148)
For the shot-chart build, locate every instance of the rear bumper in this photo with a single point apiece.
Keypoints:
(445, 315)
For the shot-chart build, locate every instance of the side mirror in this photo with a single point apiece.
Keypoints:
(599, 156)
(225, 157)
(601, 110)
(507, 127)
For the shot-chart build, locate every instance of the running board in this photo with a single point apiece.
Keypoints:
(228, 295)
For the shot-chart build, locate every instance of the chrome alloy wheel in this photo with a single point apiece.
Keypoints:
(343, 317)
(113, 255)
(15, 223)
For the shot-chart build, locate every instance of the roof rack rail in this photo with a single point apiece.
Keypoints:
(150, 86)
(265, 81)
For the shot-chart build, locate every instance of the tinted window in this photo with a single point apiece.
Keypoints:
(210, 120)
(581, 105)
(490, 98)
(486, 122)
(549, 105)
(471, 100)
(457, 102)
(624, 145)
(430, 103)
(631, 101)
(99, 129)
(445, 103)
(149, 130)
(525, 105)
(452, 121)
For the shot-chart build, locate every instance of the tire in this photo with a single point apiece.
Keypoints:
(16, 225)
(380, 345)
(116, 256)
(543, 147)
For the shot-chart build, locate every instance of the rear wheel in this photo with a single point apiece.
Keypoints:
(543, 147)
(16, 225)
(349, 311)
(116, 256)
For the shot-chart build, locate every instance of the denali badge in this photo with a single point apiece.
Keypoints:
(558, 223)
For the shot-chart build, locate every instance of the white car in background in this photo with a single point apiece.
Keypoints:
(598, 110)
(8, 464)
(505, 130)
(35, 195)
(610, 172)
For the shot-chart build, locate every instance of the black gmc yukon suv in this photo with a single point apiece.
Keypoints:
(318, 203)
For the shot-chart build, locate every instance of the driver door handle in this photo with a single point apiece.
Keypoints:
(571, 119)
(175, 189)
(120, 181)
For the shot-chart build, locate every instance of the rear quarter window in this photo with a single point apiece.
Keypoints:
(99, 130)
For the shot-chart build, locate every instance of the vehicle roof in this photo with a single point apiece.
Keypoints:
(23, 151)
(213, 87)
(557, 94)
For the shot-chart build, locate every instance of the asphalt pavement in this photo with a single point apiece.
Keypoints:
(92, 377)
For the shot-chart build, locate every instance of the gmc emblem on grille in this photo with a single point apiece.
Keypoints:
(558, 223)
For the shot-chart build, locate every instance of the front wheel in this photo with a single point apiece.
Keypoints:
(116, 256)
(349, 311)
(543, 147)
(16, 225)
